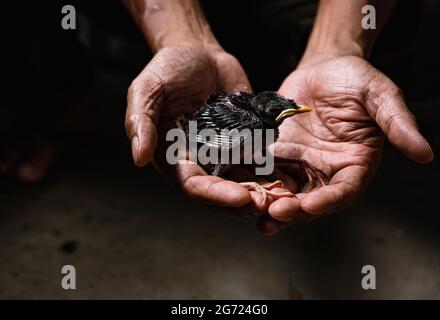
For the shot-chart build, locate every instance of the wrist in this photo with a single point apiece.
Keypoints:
(318, 52)
(178, 39)
(338, 31)
(167, 23)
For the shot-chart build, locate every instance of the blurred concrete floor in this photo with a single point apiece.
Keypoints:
(131, 235)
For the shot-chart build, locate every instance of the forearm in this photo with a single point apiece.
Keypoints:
(338, 28)
(171, 22)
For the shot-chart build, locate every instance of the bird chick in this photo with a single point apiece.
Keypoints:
(225, 112)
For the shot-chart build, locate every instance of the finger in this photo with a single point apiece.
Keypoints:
(240, 174)
(345, 187)
(210, 189)
(144, 100)
(385, 103)
(286, 209)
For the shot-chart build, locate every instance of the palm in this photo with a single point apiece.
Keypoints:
(179, 79)
(351, 100)
(191, 77)
(176, 82)
(339, 136)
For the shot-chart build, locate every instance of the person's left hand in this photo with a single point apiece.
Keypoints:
(352, 101)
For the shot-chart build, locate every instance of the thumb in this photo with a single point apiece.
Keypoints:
(144, 100)
(386, 104)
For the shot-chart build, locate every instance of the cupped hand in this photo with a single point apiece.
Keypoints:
(176, 82)
(354, 106)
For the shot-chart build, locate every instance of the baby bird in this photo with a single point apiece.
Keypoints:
(242, 110)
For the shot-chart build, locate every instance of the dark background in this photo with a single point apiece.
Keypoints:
(130, 234)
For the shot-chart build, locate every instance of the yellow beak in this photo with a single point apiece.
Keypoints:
(291, 112)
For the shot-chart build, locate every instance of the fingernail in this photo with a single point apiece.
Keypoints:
(134, 149)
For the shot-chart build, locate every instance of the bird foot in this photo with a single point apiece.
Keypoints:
(312, 174)
(266, 190)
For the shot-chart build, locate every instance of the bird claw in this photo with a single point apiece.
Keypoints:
(265, 191)
(312, 174)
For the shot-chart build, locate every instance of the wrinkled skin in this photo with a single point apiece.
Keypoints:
(177, 81)
(341, 136)
(352, 102)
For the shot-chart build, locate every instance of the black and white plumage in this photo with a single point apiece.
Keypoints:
(225, 112)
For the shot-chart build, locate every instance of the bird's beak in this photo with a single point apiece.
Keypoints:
(291, 112)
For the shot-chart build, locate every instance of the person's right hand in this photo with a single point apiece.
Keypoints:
(176, 82)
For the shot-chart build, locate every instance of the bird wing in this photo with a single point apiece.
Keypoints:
(228, 119)
(241, 100)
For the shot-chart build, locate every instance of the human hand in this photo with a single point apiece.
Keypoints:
(188, 67)
(354, 105)
(176, 82)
